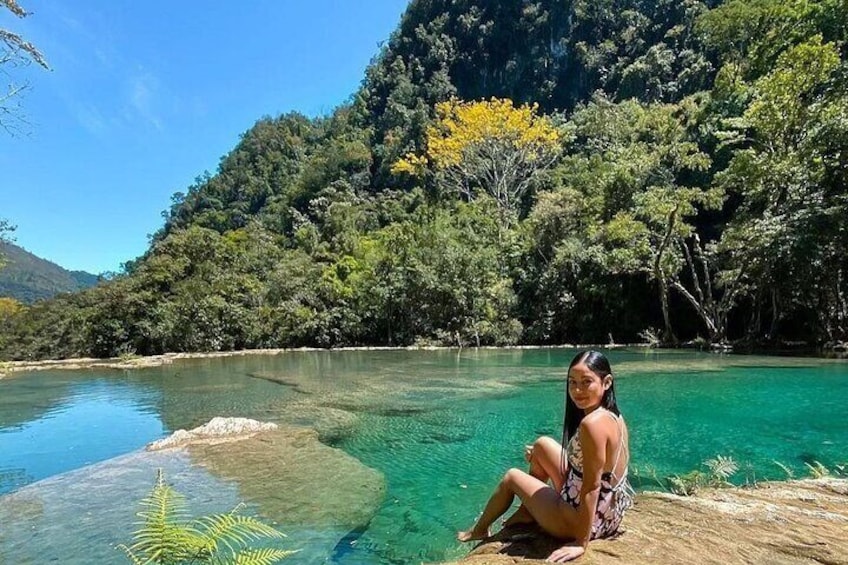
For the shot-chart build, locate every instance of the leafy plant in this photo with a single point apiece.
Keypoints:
(168, 537)
(719, 470)
(688, 484)
(789, 473)
(817, 470)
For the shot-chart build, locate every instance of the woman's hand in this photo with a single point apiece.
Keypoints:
(566, 553)
(528, 452)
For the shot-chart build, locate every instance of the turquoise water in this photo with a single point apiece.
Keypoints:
(440, 427)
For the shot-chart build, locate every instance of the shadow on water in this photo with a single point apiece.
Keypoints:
(386, 411)
(447, 437)
(347, 545)
(290, 383)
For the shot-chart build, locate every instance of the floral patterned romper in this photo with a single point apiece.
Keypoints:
(616, 494)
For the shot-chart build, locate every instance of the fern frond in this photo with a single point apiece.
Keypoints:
(721, 467)
(131, 555)
(234, 531)
(817, 470)
(789, 473)
(164, 537)
(265, 556)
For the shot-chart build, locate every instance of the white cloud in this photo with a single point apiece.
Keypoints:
(89, 118)
(144, 92)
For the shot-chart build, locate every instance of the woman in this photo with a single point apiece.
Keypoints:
(590, 491)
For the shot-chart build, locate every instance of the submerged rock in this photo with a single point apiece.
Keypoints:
(314, 493)
(217, 430)
(286, 471)
(782, 522)
(295, 479)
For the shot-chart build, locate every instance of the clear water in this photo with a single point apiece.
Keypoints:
(439, 427)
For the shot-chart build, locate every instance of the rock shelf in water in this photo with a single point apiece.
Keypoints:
(285, 471)
(795, 522)
(315, 493)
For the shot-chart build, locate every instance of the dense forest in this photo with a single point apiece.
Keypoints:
(515, 172)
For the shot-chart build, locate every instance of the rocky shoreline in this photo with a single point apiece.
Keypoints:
(8, 368)
(791, 522)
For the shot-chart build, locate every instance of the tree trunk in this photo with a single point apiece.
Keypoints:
(669, 333)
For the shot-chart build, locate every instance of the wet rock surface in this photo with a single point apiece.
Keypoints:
(295, 479)
(796, 522)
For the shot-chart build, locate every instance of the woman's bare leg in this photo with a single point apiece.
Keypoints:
(542, 502)
(545, 465)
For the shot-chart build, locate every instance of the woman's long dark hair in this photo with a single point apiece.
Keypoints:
(598, 363)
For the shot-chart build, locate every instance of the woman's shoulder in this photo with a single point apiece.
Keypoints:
(600, 420)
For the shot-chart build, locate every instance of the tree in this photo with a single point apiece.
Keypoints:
(5, 230)
(15, 51)
(635, 168)
(488, 147)
(752, 34)
(790, 228)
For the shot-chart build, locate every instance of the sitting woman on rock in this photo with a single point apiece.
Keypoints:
(590, 492)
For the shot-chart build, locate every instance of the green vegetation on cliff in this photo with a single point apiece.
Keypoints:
(698, 187)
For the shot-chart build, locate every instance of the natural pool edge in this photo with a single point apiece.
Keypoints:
(16, 368)
(799, 521)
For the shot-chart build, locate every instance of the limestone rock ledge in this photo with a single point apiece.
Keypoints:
(217, 430)
(291, 476)
(793, 522)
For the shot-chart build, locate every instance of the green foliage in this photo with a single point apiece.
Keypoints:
(790, 474)
(791, 220)
(719, 470)
(29, 278)
(699, 187)
(817, 470)
(168, 537)
(5, 229)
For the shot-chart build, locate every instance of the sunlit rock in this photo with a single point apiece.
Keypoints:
(782, 522)
(217, 430)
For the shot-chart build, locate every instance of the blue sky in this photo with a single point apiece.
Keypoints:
(145, 96)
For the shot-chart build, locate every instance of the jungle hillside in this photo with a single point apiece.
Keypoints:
(514, 172)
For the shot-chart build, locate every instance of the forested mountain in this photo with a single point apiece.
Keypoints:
(516, 171)
(27, 278)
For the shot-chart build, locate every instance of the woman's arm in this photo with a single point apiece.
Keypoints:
(593, 442)
(593, 438)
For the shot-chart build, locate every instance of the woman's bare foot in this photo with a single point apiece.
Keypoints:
(472, 535)
(521, 516)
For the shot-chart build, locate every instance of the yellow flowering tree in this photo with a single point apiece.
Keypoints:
(488, 146)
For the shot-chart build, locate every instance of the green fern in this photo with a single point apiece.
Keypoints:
(789, 473)
(721, 468)
(167, 537)
(688, 484)
(817, 470)
(266, 556)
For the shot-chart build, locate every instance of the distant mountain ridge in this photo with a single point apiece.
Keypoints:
(28, 278)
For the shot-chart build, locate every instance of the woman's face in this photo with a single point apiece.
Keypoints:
(586, 388)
